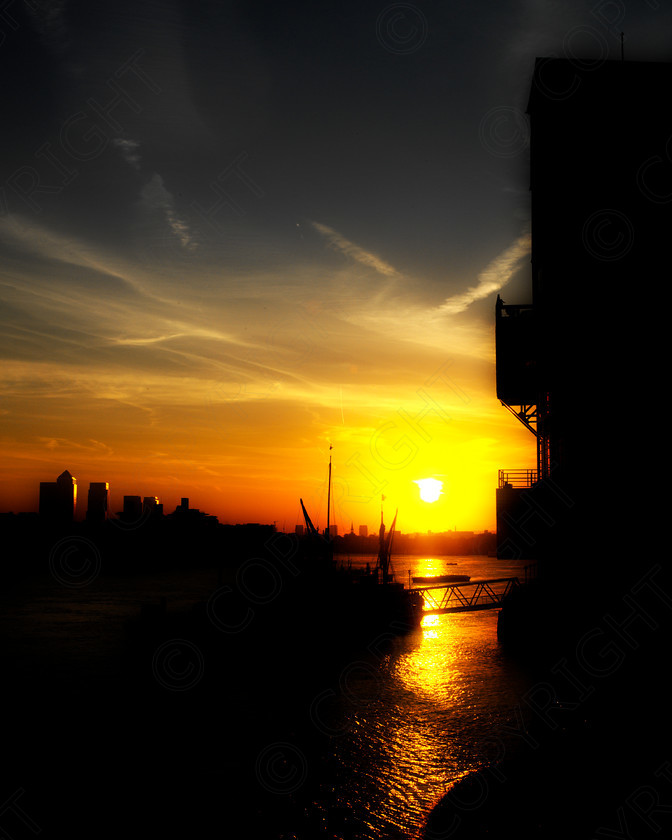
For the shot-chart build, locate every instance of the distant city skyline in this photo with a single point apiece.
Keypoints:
(63, 500)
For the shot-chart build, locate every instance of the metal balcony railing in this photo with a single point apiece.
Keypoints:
(518, 478)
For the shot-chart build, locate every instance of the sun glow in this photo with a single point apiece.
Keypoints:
(430, 489)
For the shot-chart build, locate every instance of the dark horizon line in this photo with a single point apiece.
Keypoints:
(118, 517)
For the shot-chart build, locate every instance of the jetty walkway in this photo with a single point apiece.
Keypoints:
(471, 595)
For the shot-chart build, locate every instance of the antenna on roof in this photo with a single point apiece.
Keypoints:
(622, 52)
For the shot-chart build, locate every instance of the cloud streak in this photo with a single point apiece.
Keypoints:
(155, 196)
(493, 278)
(366, 258)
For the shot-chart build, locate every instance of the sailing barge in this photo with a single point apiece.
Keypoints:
(374, 599)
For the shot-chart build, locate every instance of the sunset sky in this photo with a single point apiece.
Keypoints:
(234, 235)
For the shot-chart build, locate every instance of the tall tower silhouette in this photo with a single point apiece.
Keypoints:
(58, 499)
(99, 501)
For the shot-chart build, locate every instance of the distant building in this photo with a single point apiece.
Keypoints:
(151, 506)
(183, 511)
(298, 530)
(188, 516)
(98, 502)
(363, 530)
(132, 511)
(58, 499)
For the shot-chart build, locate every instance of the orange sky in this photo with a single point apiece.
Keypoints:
(245, 442)
(255, 471)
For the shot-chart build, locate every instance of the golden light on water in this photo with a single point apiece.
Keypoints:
(427, 718)
(428, 669)
(429, 626)
(433, 566)
(430, 673)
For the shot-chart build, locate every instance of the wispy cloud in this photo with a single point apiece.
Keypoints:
(156, 196)
(94, 447)
(496, 274)
(129, 150)
(405, 317)
(494, 277)
(39, 241)
(366, 258)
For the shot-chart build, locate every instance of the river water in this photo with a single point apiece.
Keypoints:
(437, 704)
(401, 721)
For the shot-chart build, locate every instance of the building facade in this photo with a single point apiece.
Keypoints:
(576, 364)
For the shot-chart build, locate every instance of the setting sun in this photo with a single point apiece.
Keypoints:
(430, 489)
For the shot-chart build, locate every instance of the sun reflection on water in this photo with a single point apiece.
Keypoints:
(429, 626)
(412, 733)
(428, 668)
(440, 694)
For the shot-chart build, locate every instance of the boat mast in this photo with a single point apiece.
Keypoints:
(388, 547)
(329, 490)
(385, 544)
(382, 562)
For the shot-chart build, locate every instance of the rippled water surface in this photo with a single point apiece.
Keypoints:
(421, 713)
(407, 717)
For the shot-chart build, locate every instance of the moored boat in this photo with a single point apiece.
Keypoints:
(430, 579)
(375, 598)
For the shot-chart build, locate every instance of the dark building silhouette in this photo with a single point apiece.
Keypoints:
(58, 499)
(185, 515)
(575, 364)
(98, 502)
(151, 506)
(132, 511)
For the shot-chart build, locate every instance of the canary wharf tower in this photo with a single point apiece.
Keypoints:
(58, 499)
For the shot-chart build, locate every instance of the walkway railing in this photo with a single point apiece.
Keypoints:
(518, 478)
(460, 597)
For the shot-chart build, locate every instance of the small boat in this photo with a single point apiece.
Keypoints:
(441, 579)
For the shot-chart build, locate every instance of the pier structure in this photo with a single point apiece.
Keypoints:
(466, 596)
